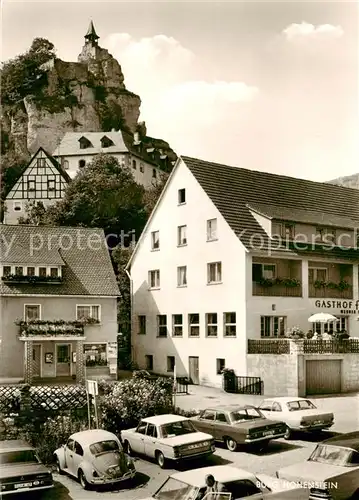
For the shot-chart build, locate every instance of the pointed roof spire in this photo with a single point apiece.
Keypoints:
(91, 34)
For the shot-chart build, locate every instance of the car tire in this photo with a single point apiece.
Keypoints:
(231, 444)
(58, 466)
(288, 433)
(160, 459)
(83, 481)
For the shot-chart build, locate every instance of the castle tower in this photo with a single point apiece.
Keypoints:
(91, 49)
(91, 35)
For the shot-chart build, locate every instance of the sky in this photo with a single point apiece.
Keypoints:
(270, 86)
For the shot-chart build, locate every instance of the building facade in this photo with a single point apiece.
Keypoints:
(58, 304)
(43, 180)
(230, 256)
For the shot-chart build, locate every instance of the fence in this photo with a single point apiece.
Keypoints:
(181, 385)
(242, 385)
(331, 346)
(269, 346)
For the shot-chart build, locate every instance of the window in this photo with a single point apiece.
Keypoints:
(17, 206)
(31, 185)
(64, 164)
(41, 162)
(221, 364)
(214, 272)
(19, 271)
(182, 276)
(154, 173)
(104, 447)
(142, 168)
(171, 361)
(211, 324)
(54, 272)
(341, 325)
(193, 323)
(32, 311)
(149, 362)
(106, 142)
(95, 354)
(162, 325)
(142, 324)
(151, 430)
(82, 163)
(155, 240)
(87, 311)
(317, 274)
(181, 196)
(287, 231)
(134, 164)
(141, 428)
(273, 326)
(211, 229)
(276, 407)
(325, 235)
(154, 278)
(230, 329)
(85, 143)
(42, 272)
(51, 184)
(181, 235)
(6, 270)
(260, 271)
(30, 271)
(177, 325)
(78, 449)
(208, 415)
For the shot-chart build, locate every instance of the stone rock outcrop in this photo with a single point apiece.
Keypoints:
(350, 181)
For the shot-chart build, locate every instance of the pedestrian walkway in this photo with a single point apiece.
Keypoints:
(344, 406)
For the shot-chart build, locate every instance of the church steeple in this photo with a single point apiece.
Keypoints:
(91, 35)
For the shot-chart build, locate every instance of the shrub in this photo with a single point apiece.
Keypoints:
(133, 399)
(185, 413)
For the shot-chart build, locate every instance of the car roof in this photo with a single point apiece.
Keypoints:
(163, 419)
(92, 436)
(221, 473)
(285, 399)
(14, 445)
(228, 407)
(348, 440)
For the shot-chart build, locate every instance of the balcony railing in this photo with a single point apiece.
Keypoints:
(276, 290)
(25, 279)
(269, 346)
(39, 328)
(310, 346)
(326, 292)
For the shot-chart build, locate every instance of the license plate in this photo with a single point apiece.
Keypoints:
(23, 485)
(316, 422)
(268, 433)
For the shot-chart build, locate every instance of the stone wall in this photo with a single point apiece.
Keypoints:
(279, 373)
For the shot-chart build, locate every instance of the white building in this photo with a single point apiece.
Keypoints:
(229, 255)
(43, 180)
(79, 148)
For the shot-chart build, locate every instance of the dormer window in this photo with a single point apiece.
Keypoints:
(31, 185)
(6, 271)
(19, 270)
(30, 271)
(85, 143)
(287, 231)
(325, 235)
(106, 142)
(42, 272)
(54, 272)
(31, 274)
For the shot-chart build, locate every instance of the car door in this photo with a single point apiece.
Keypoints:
(69, 455)
(266, 408)
(150, 440)
(138, 438)
(205, 422)
(77, 457)
(245, 488)
(222, 426)
(276, 413)
(348, 482)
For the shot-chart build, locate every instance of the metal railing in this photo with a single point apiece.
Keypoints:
(269, 346)
(242, 385)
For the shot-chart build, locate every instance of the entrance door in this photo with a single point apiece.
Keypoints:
(63, 366)
(36, 360)
(193, 369)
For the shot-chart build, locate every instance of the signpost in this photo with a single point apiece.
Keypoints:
(92, 389)
(174, 385)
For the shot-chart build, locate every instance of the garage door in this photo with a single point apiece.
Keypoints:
(323, 376)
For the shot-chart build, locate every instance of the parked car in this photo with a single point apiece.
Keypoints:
(190, 485)
(299, 414)
(21, 470)
(235, 425)
(167, 437)
(331, 471)
(95, 457)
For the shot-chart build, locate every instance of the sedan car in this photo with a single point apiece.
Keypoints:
(191, 485)
(299, 414)
(21, 469)
(94, 457)
(167, 437)
(331, 471)
(239, 425)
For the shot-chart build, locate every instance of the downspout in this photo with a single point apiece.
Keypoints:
(131, 306)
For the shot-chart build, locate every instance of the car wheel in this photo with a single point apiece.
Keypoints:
(127, 448)
(288, 433)
(160, 459)
(58, 466)
(231, 444)
(83, 481)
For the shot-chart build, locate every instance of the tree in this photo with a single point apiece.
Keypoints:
(151, 196)
(103, 194)
(35, 214)
(120, 258)
(11, 167)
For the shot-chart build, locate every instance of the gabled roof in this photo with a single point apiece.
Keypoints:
(87, 268)
(70, 143)
(232, 189)
(303, 216)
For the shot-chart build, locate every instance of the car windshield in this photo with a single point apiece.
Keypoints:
(303, 404)
(104, 447)
(177, 428)
(333, 455)
(18, 457)
(173, 489)
(245, 414)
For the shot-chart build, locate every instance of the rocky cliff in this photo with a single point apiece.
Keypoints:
(88, 95)
(350, 181)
